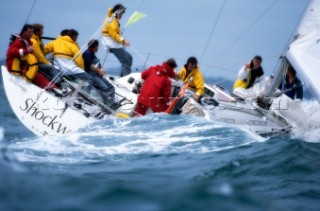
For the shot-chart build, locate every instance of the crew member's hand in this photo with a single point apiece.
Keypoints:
(196, 97)
(247, 66)
(30, 49)
(126, 43)
(101, 72)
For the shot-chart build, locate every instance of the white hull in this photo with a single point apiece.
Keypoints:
(39, 110)
(246, 115)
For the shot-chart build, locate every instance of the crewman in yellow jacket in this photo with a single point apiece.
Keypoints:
(112, 39)
(68, 57)
(45, 67)
(191, 69)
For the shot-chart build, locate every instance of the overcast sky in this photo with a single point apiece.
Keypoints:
(222, 34)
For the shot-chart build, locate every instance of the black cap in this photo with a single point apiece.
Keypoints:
(172, 63)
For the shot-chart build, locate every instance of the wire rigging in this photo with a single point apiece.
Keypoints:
(140, 5)
(256, 21)
(34, 2)
(293, 33)
(212, 31)
(237, 40)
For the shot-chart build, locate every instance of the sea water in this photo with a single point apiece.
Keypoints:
(159, 162)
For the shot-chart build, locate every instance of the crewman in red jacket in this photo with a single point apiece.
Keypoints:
(156, 89)
(20, 59)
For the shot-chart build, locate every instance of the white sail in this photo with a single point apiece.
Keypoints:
(304, 51)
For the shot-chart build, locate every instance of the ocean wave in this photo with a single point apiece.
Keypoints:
(153, 134)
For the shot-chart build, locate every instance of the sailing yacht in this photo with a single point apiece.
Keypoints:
(267, 113)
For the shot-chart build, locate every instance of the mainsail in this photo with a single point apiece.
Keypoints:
(304, 51)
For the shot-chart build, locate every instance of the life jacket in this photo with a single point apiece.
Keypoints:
(249, 80)
(109, 19)
(26, 65)
(111, 28)
(240, 83)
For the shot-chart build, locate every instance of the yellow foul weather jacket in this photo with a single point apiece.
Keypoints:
(111, 28)
(197, 83)
(65, 47)
(38, 49)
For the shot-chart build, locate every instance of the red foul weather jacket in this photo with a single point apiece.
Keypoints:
(17, 49)
(156, 89)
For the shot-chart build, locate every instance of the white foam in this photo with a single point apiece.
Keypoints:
(1, 133)
(113, 138)
(310, 131)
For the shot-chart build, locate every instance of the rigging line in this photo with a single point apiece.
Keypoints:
(140, 55)
(34, 2)
(271, 5)
(209, 66)
(140, 5)
(217, 66)
(212, 31)
(63, 70)
(241, 60)
(295, 30)
(128, 3)
(220, 81)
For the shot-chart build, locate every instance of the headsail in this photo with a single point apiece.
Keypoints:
(304, 51)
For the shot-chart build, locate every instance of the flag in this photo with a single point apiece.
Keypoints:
(134, 18)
